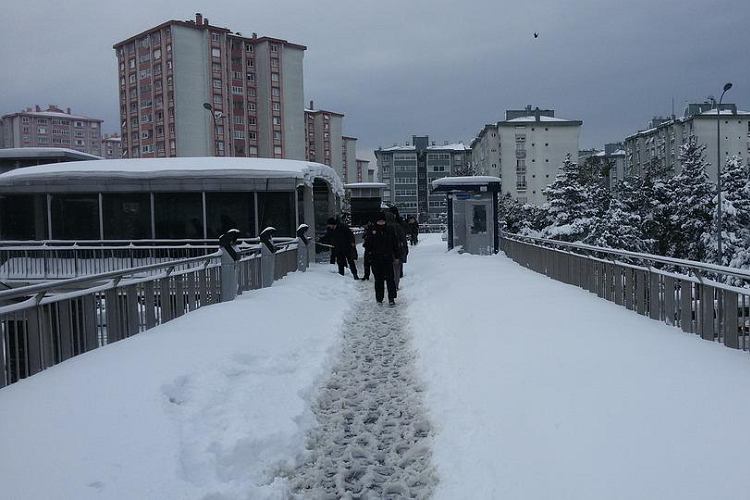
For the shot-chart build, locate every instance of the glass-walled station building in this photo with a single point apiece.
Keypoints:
(172, 198)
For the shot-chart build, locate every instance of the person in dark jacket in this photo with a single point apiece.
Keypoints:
(394, 221)
(366, 259)
(344, 247)
(412, 228)
(382, 250)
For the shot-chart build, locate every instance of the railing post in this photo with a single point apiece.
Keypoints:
(228, 276)
(267, 257)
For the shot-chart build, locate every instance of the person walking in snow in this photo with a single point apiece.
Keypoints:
(344, 246)
(382, 250)
(394, 221)
(365, 259)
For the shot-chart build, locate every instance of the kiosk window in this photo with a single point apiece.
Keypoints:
(479, 220)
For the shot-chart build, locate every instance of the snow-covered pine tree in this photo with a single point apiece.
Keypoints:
(691, 208)
(509, 213)
(619, 227)
(735, 217)
(575, 200)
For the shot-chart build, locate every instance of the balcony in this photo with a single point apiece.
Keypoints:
(520, 137)
(520, 153)
(521, 186)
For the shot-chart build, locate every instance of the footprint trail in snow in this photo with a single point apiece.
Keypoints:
(373, 438)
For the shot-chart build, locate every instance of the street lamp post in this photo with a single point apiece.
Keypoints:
(216, 128)
(719, 249)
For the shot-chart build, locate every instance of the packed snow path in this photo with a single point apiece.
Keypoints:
(373, 439)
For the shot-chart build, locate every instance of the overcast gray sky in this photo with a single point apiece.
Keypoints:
(397, 68)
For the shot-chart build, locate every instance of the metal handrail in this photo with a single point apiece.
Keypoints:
(57, 284)
(690, 264)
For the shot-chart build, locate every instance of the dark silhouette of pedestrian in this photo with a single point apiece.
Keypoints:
(382, 250)
(344, 246)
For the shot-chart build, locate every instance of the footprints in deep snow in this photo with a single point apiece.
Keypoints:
(372, 439)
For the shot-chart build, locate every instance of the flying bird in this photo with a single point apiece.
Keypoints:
(536, 35)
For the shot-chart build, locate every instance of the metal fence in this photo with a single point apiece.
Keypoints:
(44, 324)
(45, 260)
(690, 295)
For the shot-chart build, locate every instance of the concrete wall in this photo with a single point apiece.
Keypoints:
(192, 89)
(263, 79)
(293, 104)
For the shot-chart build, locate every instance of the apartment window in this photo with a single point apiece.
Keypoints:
(41, 130)
(25, 119)
(144, 134)
(215, 52)
(237, 75)
(79, 142)
(147, 148)
(239, 119)
(157, 54)
(216, 83)
(275, 77)
(217, 99)
(276, 120)
(251, 77)
(277, 136)
(277, 106)
(251, 92)
(251, 107)
(274, 62)
(25, 130)
(277, 150)
(274, 47)
(250, 63)
(147, 104)
(239, 134)
(26, 138)
(275, 92)
(252, 136)
(145, 73)
(131, 63)
(215, 37)
(251, 120)
(248, 47)
(144, 58)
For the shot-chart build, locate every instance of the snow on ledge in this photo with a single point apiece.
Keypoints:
(365, 185)
(477, 180)
(158, 168)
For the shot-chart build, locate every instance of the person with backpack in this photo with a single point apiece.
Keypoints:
(344, 246)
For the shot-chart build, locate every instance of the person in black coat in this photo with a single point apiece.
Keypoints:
(344, 246)
(382, 251)
(366, 258)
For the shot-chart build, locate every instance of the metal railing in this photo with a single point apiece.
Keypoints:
(682, 293)
(53, 259)
(44, 324)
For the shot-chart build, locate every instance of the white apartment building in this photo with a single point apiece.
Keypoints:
(613, 156)
(660, 143)
(526, 151)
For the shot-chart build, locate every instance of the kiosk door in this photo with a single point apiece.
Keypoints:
(479, 230)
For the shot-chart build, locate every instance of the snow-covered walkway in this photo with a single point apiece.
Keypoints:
(373, 438)
(541, 390)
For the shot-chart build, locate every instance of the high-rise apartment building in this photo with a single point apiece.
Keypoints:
(408, 172)
(188, 88)
(526, 150)
(324, 142)
(52, 128)
(111, 147)
(659, 145)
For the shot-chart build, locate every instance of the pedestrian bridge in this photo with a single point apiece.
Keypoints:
(552, 370)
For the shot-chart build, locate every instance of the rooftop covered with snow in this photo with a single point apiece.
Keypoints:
(41, 153)
(468, 183)
(228, 171)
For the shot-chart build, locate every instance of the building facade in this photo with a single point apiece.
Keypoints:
(612, 159)
(364, 173)
(111, 147)
(349, 159)
(526, 151)
(171, 74)
(659, 145)
(324, 142)
(52, 128)
(408, 172)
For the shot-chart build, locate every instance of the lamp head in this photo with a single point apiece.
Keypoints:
(207, 106)
(727, 86)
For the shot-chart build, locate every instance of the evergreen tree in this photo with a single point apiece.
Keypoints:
(575, 200)
(692, 205)
(510, 214)
(619, 227)
(735, 217)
